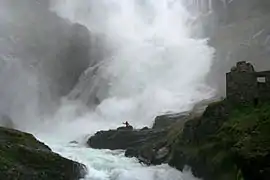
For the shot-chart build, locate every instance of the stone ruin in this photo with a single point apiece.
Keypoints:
(245, 85)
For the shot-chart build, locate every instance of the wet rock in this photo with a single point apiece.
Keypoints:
(131, 152)
(128, 128)
(164, 121)
(143, 160)
(162, 153)
(156, 153)
(212, 119)
(151, 155)
(124, 138)
(22, 157)
(148, 154)
(74, 142)
(145, 129)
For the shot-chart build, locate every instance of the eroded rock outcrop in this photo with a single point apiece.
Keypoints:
(145, 144)
(124, 138)
(22, 157)
(165, 121)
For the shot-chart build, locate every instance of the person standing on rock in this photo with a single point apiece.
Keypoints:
(126, 123)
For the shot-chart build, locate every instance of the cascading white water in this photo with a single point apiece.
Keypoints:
(154, 66)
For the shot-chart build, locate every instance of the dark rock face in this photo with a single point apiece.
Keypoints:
(22, 157)
(123, 139)
(154, 153)
(165, 121)
(144, 144)
(186, 150)
(212, 119)
(132, 152)
(170, 119)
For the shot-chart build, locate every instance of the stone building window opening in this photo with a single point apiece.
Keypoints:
(261, 79)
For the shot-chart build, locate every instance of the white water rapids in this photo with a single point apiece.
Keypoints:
(113, 165)
(153, 66)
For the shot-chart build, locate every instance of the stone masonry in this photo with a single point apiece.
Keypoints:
(245, 85)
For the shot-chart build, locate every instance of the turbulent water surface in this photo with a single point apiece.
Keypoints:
(113, 165)
(150, 64)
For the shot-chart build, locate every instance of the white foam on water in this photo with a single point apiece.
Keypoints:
(155, 66)
(113, 165)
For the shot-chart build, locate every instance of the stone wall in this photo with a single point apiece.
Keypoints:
(244, 85)
(263, 85)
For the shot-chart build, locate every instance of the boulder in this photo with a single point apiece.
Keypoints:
(169, 119)
(74, 142)
(22, 157)
(146, 155)
(162, 153)
(165, 121)
(151, 154)
(132, 152)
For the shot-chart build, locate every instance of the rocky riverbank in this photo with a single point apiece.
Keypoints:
(22, 157)
(137, 143)
(226, 142)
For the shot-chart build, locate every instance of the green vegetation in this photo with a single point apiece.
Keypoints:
(238, 148)
(22, 157)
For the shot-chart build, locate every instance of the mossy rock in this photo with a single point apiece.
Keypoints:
(22, 157)
(235, 147)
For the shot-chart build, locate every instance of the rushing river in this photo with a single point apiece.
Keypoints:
(113, 165)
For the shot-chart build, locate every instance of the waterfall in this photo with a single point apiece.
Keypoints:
(155, 66)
